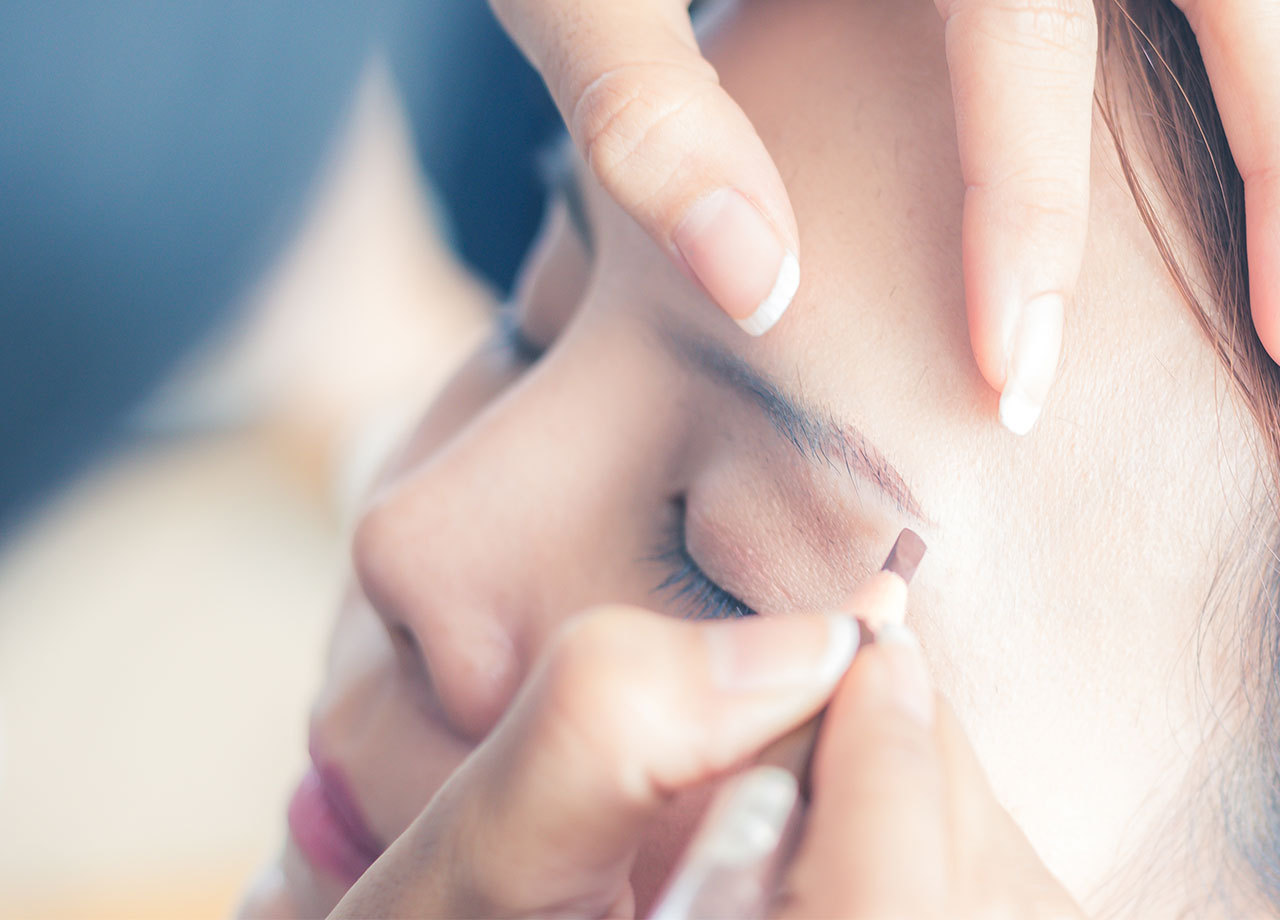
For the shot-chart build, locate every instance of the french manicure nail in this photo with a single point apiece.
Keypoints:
(770, 653)
(738, 259)
(908, 677)
(1032, 362)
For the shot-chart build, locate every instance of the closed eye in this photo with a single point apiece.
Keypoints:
(686, 584)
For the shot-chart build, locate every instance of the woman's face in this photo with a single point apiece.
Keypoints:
(654, 444)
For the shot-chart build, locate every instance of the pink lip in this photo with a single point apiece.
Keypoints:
(327, 825)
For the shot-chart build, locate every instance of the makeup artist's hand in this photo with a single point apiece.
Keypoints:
(624, 708)
(902, 822)
(649, 116)
(1022, 78)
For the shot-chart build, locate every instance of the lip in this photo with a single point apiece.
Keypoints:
(327, 824)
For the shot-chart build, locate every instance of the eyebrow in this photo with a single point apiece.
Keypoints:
(813, 432)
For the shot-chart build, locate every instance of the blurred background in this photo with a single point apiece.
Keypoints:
(240, 246)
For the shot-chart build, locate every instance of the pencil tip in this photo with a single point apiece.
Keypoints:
(905, 556)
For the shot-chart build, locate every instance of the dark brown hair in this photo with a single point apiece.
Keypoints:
(1158, 78)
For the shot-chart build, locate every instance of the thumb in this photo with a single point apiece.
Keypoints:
(650, 118)
(626, 709)
(878, 820)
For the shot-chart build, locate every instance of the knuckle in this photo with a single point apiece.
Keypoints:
(618, 688)
(1047, 200)
(1038, 199)
(1070, 26)
(606, 113)
(591, 673)
(599, 697)
(1033, 172)
(1040, 223)
(585, 646)
(627, 111)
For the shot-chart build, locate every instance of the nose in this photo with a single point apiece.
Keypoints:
(427, 589)
(482, 547)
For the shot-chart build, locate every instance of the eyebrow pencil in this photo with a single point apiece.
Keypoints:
(733, 863)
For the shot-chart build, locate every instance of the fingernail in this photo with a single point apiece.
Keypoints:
(738, 259)
(908, 677)
(1032, 362)
(775, 653)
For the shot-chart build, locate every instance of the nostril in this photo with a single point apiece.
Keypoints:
(412, 665)
(405, 644)
(403, 639)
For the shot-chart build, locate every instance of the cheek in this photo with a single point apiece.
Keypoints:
(359, 650)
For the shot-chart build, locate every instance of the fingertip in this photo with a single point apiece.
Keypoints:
(1017, 412)
(880, 599)
(985, 338)
(1032, 353)
(779, 654)
(842, 644)
(775, 303)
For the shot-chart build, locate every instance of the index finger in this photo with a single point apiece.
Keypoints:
(624, 709)
(1022, 76)
(664, 139)
(1238, 41)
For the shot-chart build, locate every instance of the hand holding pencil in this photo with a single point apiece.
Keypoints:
(550, 818)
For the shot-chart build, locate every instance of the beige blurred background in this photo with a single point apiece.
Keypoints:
(162, 622)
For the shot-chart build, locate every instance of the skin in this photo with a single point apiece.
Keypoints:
(1065, 573)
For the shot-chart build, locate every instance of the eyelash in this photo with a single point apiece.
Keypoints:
(686, 583)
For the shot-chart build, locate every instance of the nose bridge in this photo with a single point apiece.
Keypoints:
(465, 550)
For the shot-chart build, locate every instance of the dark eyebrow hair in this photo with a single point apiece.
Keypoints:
(812, 431)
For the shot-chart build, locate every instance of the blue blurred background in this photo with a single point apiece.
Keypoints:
(241, 242)
(155, 157)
